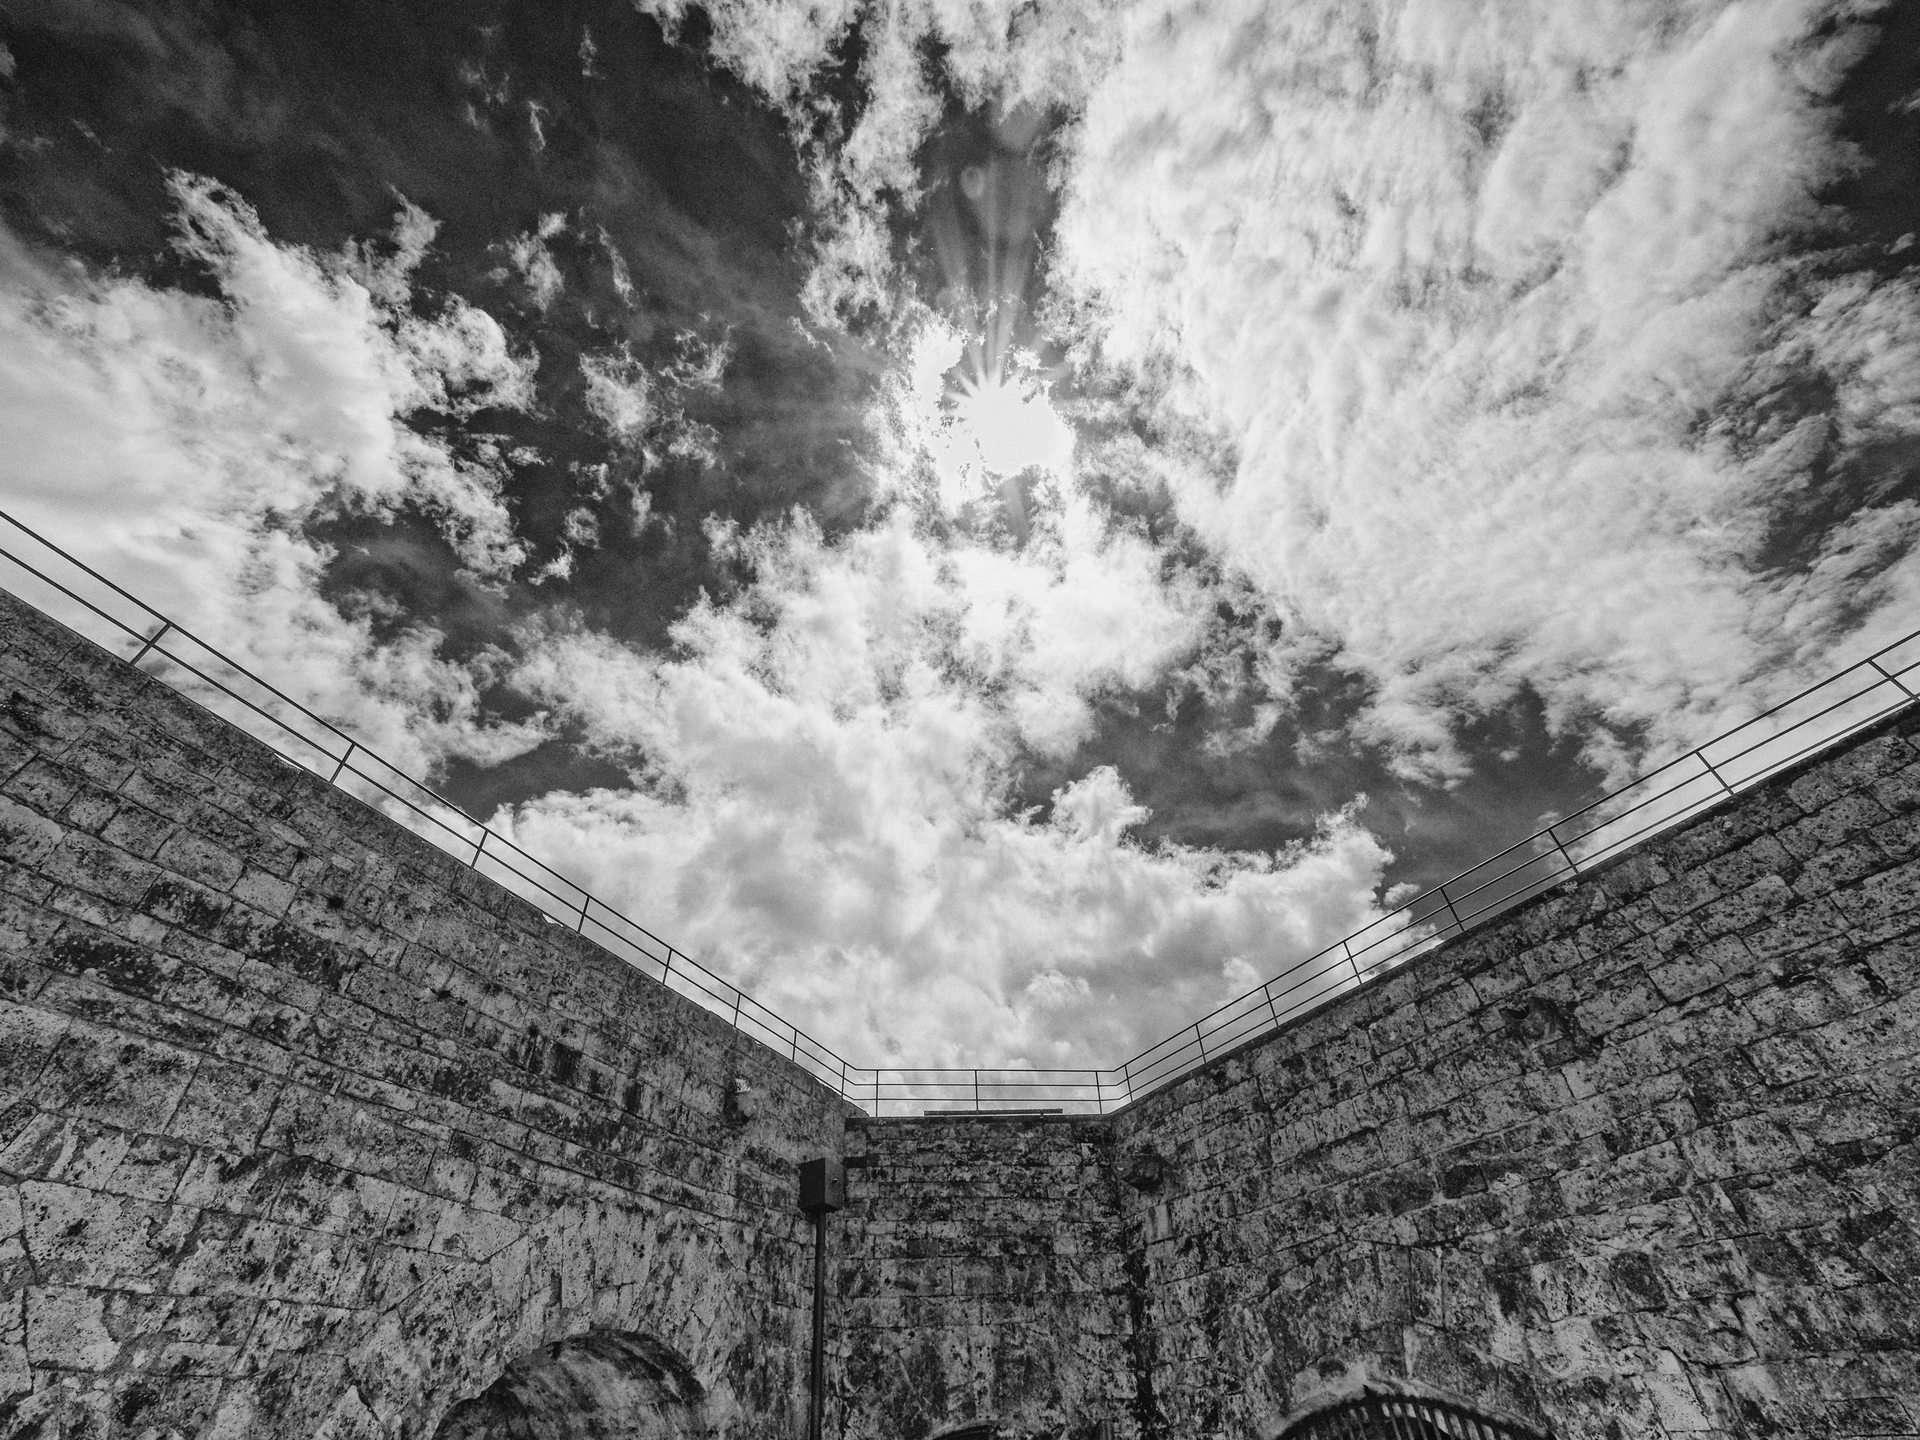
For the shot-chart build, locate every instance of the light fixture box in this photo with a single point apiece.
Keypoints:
(823, 1186)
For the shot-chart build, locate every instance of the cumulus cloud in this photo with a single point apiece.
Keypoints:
(823, 807)
(1500, 311)
(528, 252)
(645, 410)
(619, 394)
(178, 442)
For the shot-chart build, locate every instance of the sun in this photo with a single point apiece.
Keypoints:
(1012, 428)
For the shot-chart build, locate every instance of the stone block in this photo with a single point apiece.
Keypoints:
(115, 1078)
(1756, 903)
(27, 837)
(69, 1325)
(1883, 905)
(226, 1106)
(42, 786)
(28, 1036)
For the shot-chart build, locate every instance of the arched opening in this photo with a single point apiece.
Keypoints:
(1402, 1417)
(595, 1385)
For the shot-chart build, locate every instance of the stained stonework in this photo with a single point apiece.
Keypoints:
(305, 1129)
(1637, 1160)
(591, 1387)
(981, 1277)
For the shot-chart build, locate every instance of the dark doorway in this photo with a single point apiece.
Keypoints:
(595, 1387)
(1377, 1416)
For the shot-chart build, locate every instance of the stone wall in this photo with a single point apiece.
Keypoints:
(1637, 1160)
(981, 1279)
(305, 1129)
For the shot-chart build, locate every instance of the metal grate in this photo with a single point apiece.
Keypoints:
(1376, 1416)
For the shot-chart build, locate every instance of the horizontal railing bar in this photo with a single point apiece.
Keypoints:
(980, 1070)
(1574, 842)
(1818, 714)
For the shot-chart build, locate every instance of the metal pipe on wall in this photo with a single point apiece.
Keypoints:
(823, 1190)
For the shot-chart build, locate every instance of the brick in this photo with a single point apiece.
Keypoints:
(28, 1036)
(114, 1078)
(200, 860)
(1882, 906)
(27, 837)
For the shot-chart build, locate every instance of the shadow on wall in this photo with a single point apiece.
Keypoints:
(598, 1384)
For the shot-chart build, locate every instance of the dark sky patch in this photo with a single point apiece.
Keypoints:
(1879, 103)
(558, 765)
(1273, 792)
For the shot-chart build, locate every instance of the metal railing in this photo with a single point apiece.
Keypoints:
(1743, 756)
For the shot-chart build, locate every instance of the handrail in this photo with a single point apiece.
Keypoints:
(1662, 797)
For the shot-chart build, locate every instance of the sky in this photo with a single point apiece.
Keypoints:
(994, 526)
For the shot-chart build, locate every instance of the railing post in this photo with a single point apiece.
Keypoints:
(1571, 865)
(1713, 772)
(580, 926)
(1201, 1041)
(1893, 677)
(1450, 910)
(475, 862)
(1267, 990)
(166, 625)
(976, 1089)
(334, 779)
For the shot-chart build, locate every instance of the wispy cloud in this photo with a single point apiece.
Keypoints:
(527, 252)
(1513, 318)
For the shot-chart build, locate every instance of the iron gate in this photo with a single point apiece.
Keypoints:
(1374, 1416)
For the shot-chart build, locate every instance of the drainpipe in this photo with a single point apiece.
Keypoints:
(823, 1190)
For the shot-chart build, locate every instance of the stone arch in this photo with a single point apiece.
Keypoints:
(602, 1383)
(1401, 1415)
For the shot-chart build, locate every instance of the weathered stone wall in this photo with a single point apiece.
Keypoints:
(305, 1129)
(1637, 1160)
(980, 1279)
